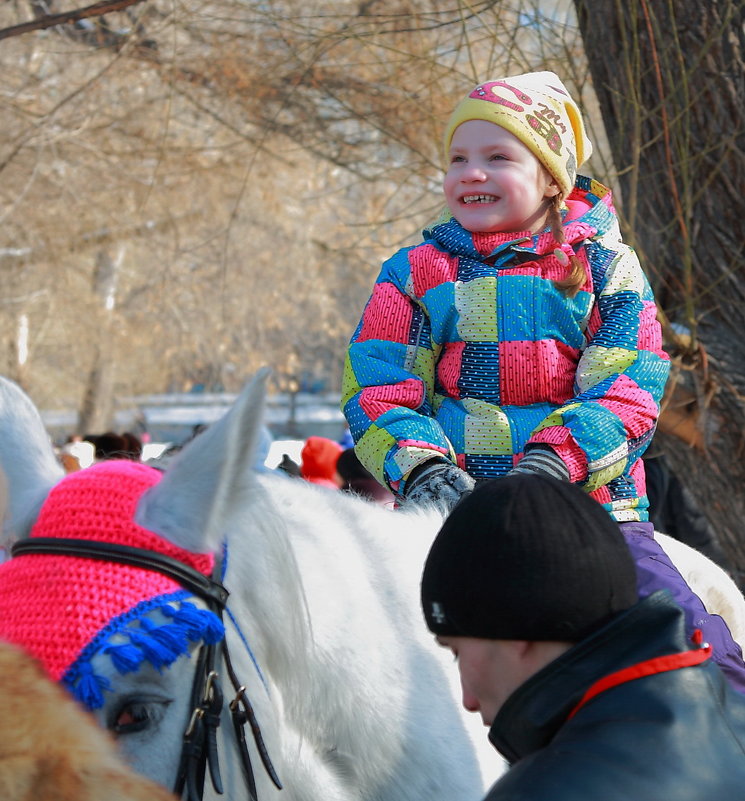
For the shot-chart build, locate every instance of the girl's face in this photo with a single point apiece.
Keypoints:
(494, 183)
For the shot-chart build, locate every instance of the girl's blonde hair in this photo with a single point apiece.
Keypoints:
(576, 272)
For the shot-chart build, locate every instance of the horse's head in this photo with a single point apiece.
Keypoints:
(68, 607)
(112, 630)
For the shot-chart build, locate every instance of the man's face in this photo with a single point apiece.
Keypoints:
(490, 670)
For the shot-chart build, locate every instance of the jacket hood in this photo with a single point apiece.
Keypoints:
(588, 212)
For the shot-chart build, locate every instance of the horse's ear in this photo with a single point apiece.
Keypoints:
(200, 486)
(27, 460)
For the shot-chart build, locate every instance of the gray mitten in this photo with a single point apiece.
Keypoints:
(542, 460)
(438, 482)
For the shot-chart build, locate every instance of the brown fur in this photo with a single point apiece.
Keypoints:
(53, 750)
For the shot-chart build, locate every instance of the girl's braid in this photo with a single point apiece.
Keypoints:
(576, 275)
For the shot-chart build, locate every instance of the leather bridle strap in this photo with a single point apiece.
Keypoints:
(195, 754)
(190, 579)
(200, 741)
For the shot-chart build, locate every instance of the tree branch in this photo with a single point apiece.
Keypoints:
(50, 20)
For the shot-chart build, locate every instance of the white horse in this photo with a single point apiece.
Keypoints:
(323, 624)
(354, 699)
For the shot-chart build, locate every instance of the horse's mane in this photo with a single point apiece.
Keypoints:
(263, 571)
(375, 546)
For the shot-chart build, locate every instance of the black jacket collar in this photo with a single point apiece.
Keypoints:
(530, 718)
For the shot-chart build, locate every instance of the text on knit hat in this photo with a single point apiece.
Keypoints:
(537, 108)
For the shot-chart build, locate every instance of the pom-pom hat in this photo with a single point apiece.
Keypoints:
(318, 460)
(527, 557)
(65, 609)
(536, 108)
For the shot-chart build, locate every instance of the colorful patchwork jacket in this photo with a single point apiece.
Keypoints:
(467, 350)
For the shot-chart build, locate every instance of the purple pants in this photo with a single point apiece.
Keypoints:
(655, 571)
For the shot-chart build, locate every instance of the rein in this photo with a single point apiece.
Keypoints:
(199, 751)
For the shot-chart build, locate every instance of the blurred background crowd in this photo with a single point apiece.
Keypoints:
(316, 459)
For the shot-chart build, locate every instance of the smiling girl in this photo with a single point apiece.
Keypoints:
(520, 335)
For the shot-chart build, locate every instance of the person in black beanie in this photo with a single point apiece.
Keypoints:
(587, 692)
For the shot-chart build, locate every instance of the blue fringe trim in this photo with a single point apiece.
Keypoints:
(160, 645)
(91, 687)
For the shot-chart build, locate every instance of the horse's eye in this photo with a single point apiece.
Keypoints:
(135, 716)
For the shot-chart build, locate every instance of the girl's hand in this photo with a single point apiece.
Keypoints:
(437, 482)
(542, 460)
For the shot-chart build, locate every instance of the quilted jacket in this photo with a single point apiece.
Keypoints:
(467, 349)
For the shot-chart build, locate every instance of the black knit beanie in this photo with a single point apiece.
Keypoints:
(527, 557)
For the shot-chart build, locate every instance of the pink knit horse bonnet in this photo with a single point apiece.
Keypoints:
(66, 609)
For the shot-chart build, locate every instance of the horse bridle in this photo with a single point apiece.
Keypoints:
(199, 750)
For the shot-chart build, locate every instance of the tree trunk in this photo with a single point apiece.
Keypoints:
(670, 80)
(96, 413)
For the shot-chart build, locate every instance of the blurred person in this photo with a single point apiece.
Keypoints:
(354, 478)
(674, 511)
(288, 465)
(108, 445)
(318, 461)
(132, 445)
(76, 453)
(346, 441)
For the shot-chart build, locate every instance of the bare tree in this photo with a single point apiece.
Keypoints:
(45, 18)
(256, 160)
(670, 79)
(96, 410)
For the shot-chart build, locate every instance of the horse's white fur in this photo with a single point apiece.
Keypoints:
(27, 459)
(325, 587)
(359, 703)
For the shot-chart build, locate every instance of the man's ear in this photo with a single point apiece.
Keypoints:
(538, 654)
(524, 648)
